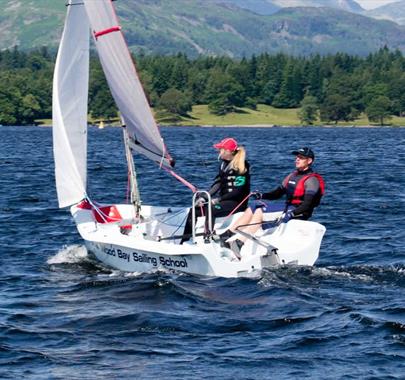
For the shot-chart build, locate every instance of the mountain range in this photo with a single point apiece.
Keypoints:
(394, 12)
(219, 27)
(269, 7)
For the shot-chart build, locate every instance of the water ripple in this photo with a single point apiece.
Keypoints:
(64, 315)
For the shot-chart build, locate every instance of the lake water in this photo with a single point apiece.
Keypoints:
(64, 316)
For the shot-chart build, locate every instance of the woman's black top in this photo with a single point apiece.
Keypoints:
(230, 185)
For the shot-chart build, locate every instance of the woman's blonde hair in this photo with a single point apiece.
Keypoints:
(238, 161)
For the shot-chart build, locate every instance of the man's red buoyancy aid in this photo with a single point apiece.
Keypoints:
(299, 190)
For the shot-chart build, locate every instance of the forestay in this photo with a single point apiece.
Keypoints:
(124, 82)
(69, 107)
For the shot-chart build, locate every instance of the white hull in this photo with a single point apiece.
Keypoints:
(140, 250)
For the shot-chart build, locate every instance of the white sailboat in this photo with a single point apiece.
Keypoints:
(131, 237)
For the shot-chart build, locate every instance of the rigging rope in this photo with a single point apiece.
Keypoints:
(244, 199)
(128, 186)
(181, 179)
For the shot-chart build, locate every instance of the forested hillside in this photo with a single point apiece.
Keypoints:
(195, 27)
(339, 86)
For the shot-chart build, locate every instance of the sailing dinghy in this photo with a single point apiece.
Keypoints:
(131, 237)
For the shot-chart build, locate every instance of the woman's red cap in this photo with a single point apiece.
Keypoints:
(229, 144)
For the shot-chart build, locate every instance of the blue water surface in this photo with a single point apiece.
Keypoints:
(64, 316)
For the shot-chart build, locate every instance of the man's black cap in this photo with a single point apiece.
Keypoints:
(306, 152)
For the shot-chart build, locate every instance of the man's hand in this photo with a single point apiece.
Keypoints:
(287, 216)
(257, 195)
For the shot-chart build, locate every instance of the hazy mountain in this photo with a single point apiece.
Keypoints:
(331, 30)
(269, 7)
(260, 7)
(207, 27)
(394, 12)
(345, 5)
(29, 23)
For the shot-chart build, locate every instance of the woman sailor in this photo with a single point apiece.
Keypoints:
(231, 186)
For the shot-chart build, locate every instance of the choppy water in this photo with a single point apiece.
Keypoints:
(63, 316)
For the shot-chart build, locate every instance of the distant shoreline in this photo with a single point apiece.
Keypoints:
(287, 126)
(263, 117)
(234, 126)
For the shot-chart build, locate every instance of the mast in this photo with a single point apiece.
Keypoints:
(135, 197)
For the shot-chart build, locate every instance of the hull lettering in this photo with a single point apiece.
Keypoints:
(144, 258)
(170, 263)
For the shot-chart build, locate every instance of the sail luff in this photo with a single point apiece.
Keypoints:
(124, 82)
(69, 107)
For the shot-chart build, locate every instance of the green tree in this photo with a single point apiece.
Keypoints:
(223, 93)
(29, 109)
(373, 90)
(397, 92)
(101, 103)
(147, 83)
(7, 111)
(161, 74)
(268, 76)
(37, 62)
(335, 108)
(290, 91)
(242, 73)
(10, 100)
(341, 96)
(102, 106)
(309, 111)
(179, 75)
(312, 78)
(269, 91)
(197, 83)
(379, 109)
(175, 102)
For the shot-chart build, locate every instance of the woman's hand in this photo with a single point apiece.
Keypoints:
(201, 201)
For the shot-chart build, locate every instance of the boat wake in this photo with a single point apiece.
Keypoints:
(390, 274)
(69, 254)
(77, 255)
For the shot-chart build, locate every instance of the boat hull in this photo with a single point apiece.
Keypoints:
(131, 259)
(142, 250)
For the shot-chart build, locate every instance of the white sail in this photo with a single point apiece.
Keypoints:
(124, 83)
(69, 106)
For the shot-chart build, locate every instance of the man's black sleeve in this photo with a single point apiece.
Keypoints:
(274, 194)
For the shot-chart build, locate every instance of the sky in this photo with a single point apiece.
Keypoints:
(370, 4)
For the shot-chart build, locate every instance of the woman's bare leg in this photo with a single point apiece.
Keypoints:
(255, 221)
(243, 219)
